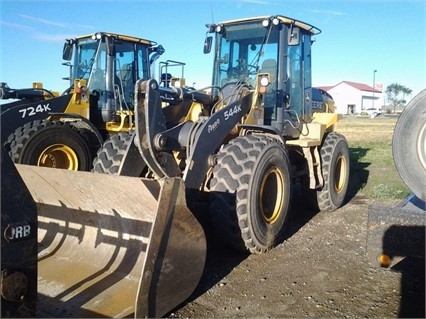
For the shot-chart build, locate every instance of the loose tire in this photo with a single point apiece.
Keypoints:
(250, 193)
(409, 145)
(51, 144)
(335, 171)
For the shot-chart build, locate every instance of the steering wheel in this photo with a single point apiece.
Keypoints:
(252, 69)
(235, 72)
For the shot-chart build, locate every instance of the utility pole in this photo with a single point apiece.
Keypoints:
(374, 84)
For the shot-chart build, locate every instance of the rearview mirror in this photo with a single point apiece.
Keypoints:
(293, 36)
(208, 44)
(67, 51)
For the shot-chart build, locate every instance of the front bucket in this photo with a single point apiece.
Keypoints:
(113, 246)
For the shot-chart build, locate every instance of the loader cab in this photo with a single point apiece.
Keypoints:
(277, 49)
(111, 64)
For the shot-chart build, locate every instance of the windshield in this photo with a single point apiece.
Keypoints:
(84, 58)
(245, 50)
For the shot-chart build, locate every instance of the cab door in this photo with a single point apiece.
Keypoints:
(299, 77)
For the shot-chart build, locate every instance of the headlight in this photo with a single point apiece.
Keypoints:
(97, 36)
(264, 81)
(219, 28)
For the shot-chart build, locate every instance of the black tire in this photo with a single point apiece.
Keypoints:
(51, 144)
(110, 156)
(409, 145)
(335, 171)
(250, 193)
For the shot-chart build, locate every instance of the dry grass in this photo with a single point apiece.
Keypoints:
(373, 174)
(362, 129)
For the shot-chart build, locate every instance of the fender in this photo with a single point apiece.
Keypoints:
(16, 114)
(88, 123)
(263, 129)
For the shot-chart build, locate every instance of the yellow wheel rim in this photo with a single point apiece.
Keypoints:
(340, 174)
(271, 195)
(59, 156)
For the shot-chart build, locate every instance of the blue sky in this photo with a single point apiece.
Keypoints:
(357, 36)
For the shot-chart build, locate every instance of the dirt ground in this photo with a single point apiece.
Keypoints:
(324, 268)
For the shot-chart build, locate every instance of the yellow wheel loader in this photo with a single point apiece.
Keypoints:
(132, 245)
(261, 129)
(65, 130)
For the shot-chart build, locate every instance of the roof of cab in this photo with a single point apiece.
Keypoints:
(303, 25)
(121, 37)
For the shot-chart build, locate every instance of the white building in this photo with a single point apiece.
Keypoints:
(352, 97)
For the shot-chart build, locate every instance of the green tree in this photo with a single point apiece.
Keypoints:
(397, 94)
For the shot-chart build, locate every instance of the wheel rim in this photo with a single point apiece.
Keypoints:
(271, 194)
(59, 156)
(340, 174)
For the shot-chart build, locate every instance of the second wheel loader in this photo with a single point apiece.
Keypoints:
(49, 129)
(132, 245)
